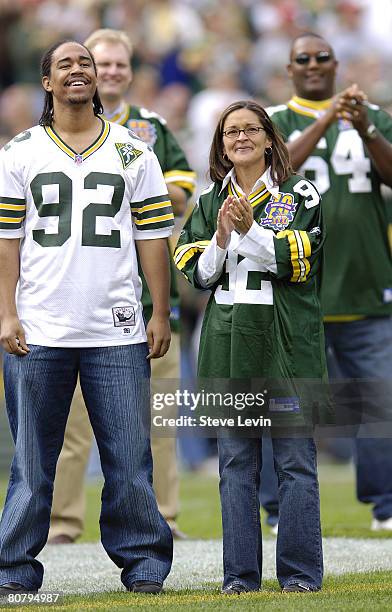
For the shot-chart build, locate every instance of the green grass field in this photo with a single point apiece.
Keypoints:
(342, 515)
(352, 592)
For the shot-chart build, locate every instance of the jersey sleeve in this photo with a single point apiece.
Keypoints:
(280, 119)
(298, 249)
(175, 166)
(383, 122)
(151, 208)
(12, 196)
(194, 239)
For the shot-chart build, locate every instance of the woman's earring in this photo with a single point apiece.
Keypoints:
(268, 151)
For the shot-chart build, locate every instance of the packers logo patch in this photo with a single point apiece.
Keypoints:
(279, 212)
(144, 129)
(127, 153)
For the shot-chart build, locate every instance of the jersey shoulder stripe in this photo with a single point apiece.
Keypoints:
(300, 251)
(183, 178)
(153, 213)
(146, 114)
(12, 213)
(208, 189)
(185, 252)
(271, 110)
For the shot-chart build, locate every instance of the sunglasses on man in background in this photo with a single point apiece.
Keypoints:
(321, 58)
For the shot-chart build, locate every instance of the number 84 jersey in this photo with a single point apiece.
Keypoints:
(78, 216)
(263, 317)
(357, 277)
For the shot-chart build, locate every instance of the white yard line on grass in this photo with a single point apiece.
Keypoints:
(85, 568)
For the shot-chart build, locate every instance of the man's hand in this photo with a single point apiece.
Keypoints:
(332, 113)
(12, 336)
(351, 107)
(158, 336)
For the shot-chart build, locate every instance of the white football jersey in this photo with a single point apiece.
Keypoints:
(78, 217)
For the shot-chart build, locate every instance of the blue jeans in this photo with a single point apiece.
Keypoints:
(268, 493)
(39, 389)
(299, 546)
(363, 349)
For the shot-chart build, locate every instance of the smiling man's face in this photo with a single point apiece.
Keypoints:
(114, 70)
(312, 68)
(72, 78)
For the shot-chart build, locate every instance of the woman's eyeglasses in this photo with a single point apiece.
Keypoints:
(321, 58)
(233, 133)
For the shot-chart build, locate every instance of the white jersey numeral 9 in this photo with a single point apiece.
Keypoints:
(307, 190)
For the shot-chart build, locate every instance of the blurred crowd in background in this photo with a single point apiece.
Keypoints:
(191, 59)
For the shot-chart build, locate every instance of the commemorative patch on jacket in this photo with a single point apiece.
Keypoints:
(144, 129)
(279, 212)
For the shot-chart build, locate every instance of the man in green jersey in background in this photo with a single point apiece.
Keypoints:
(343, 144)
(112, 51)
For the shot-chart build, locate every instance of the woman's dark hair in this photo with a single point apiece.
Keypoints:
(46, 64)
(277, 159)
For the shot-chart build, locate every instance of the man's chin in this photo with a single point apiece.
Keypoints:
(314, 93)
(318, 89)
(79, 100)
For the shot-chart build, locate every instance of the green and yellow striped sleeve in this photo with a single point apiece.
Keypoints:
(185, 252)
(12, 213)
(153, 213)
(300, 252)
(183, 178)
(297, 254)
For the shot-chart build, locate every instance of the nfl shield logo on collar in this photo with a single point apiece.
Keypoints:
(78, 159)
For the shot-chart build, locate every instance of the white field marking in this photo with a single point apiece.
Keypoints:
(85, 568)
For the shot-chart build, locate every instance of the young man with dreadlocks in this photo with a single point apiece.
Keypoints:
(112, 50)
(70, 305)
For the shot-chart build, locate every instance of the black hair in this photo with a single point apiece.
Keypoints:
(46, 64)
(310, 35)
(307, 35)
